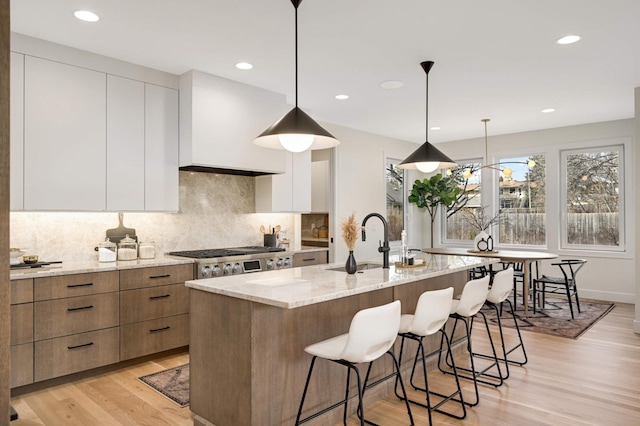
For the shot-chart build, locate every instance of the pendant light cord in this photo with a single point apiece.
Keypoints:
(426, 131)
(296, 55)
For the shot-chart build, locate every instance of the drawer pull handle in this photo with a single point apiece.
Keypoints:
(80, 346)
(159, 297)
(309, 259)
(79, 285)
(159, 276)
(155, 330)
(82, 308)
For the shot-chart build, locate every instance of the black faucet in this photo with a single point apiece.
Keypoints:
(383, 247)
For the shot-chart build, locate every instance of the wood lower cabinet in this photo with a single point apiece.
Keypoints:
(154, 309)
(21, 332)
(65, 324)
(78, 352)
(312, 258)
(148, 337)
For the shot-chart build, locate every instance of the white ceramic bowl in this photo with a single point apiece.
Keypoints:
(15, 254)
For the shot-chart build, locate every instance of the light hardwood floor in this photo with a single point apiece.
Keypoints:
(594, 380)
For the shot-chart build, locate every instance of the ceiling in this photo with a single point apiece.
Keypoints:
(493, 59)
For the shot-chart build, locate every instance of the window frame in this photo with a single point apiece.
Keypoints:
(622, 205)
(391, 159)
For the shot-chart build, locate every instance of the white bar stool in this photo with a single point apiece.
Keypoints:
(473, 296)
(372, 333)
(499, 293)
(432, 313)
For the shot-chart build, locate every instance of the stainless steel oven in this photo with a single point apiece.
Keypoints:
(211, 263)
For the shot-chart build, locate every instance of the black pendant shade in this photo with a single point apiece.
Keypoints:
(298, 122)
(296, 131)
(427, 157)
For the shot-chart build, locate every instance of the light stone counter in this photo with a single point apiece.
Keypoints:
(297, 287)
(67, 268)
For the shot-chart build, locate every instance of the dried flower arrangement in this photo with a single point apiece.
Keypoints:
(350, 229)
(479, 220)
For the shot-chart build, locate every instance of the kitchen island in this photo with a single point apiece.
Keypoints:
(248, 334)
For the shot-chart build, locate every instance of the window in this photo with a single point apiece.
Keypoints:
(591, 202)
(522, 200)
(395, 198)
(468, 177)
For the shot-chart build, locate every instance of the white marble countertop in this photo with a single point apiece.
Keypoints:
(296, 287)
(95, 266)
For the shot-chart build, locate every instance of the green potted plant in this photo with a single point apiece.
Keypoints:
(432, 192)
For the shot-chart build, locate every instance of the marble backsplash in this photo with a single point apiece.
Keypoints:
(215, 211)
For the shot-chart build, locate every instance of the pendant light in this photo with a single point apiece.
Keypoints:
(427, 158)
(296, 131)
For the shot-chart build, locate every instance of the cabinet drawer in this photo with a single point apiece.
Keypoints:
(21, 365)
(70, 354)
(21, 323)
(21, 291)
(154, 302)
(148, 337)
(306, 259)
(61, 286)
(61, 317)
(155, 276)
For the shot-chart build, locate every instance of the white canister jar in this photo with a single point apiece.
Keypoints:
(127, 249)
(107, 251)
(147, 250)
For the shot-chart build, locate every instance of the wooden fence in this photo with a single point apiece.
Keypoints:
(530, 228)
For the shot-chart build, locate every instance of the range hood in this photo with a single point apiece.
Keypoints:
(219, 118)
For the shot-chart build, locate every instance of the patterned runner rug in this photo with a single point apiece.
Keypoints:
(555, 319)
(172, 383)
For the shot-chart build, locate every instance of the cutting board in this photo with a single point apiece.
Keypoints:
(116, 234)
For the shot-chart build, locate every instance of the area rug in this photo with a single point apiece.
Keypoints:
(172, 383)
(555, 319)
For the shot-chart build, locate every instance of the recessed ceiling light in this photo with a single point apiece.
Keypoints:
(546, 110)
(342, 97)
(435, 128)
(244, 66)
(85, 15)
(568, 39)
(391, 84)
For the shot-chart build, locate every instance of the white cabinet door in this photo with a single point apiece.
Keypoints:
(161, 148)
(17, 132)
(320, 186)
(64, 137)
(289, 191)
(125, 144)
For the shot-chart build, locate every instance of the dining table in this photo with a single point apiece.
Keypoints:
(516, 256)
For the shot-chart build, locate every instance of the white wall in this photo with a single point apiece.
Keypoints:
(607, 276)
(361, 188)
(636, 270)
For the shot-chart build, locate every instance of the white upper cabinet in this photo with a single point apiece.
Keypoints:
(287, 192)
(17, 132)
(320, 185)
(125, 144)
(64, 137)
(142, 146)
(161, 148)
(220, 118)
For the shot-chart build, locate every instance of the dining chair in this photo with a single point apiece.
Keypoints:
(566, 284)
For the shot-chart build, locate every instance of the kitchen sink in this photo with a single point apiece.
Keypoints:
(361, 267)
